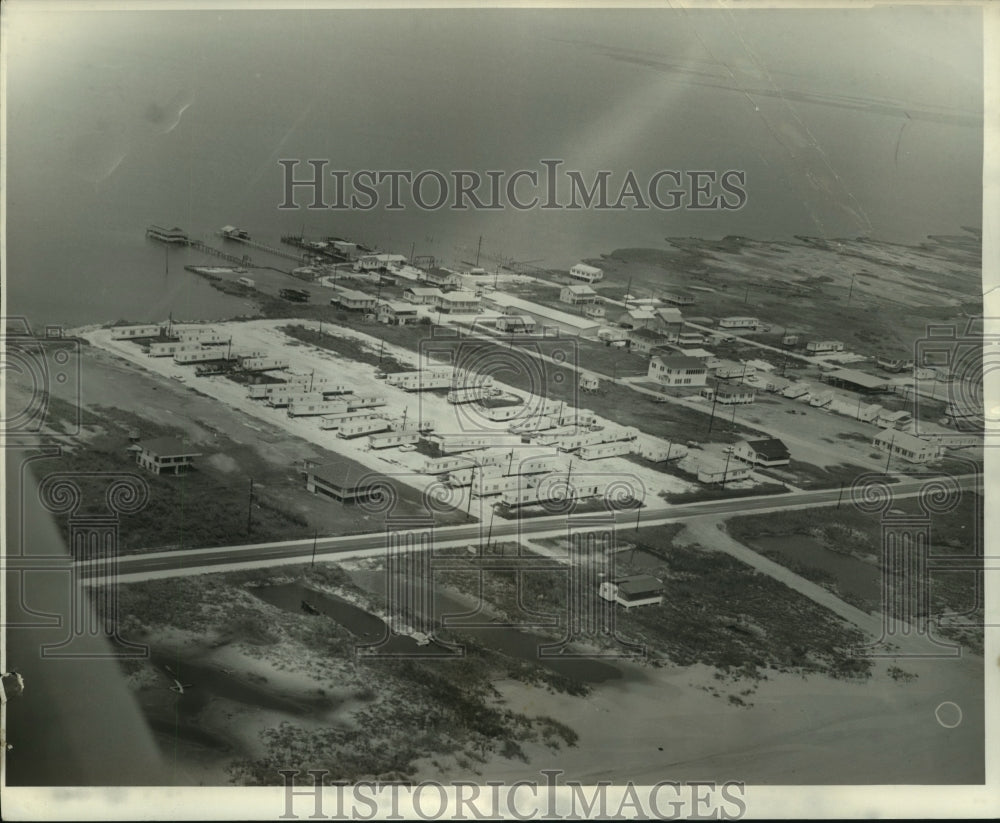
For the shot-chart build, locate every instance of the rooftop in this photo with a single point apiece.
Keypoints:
(859, 378)
(770, 447)
(582, 288)
(169, 447)
(637, 584)
(679, 361)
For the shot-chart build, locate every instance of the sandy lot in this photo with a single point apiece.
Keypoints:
(426, 407)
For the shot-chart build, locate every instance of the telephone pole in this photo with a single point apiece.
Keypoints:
(250, 509)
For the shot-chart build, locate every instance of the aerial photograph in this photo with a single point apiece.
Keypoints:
(573, 411)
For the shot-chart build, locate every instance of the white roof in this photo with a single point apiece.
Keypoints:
(424, 290)
(585, 267)
(460, 297)
(509, 301)
(580, 288)
(911, 441)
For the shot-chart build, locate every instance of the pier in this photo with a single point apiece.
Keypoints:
(256, 244)
(243, 261)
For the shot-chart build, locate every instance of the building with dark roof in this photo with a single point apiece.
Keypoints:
(339, 479)
(634, 590)
(768, 452)
(856, 380)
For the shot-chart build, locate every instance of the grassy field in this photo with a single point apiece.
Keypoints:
(956, 540)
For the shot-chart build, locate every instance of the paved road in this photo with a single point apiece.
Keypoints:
(296, 551)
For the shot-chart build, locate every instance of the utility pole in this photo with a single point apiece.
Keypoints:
(715, 399)
(250, 509)
(311, 375)
(313, 561)
(479, 248)
(381, 348)
(725, 471)
(628, 292)
(850, 291)
(888, 458)
(841, 495)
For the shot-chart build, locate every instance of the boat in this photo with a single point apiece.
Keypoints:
(309, 608)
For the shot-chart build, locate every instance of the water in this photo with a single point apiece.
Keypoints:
(119, 120)
(853, 576)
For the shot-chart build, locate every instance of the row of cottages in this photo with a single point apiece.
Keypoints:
(677, 370)
(729, 395)
(578, 295)
(911, 448)
(675, 299)
(352, 300)
(589, 274)
(455, 302)
(374, 262)
(768, 452)
(516, 324)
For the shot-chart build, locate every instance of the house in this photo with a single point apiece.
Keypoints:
(738, 322)
(442, 278)
(731, 370)
(396, 312)
(371, 262)
(594, 312)
(714, 470)
(422, 295)
(824, 346)
(690, 338)
(589, 382)
(589, 274)
(354, 300)
(643, 341)
(729, 395)
(677, 370)
(891, 419)
(908, 446)
(516, 324)
(768, 452)
(577, 295)
(345, 249)
(669, 319)
(676, 299)
(135, 332)
(340, 480)
(165, 455)
(634, 590)
(637, 318)
(546, 317)
(458, 302)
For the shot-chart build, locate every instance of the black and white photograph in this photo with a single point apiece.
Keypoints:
(499, 411)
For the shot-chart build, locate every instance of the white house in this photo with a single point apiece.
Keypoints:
(459, 302)
(908, 446)
(165, 455)
(422, 295)
(738, 322)
(767, 452)
(577, 294)
(714, 470)
(677, 370)
(589, 274)
(370, 262)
